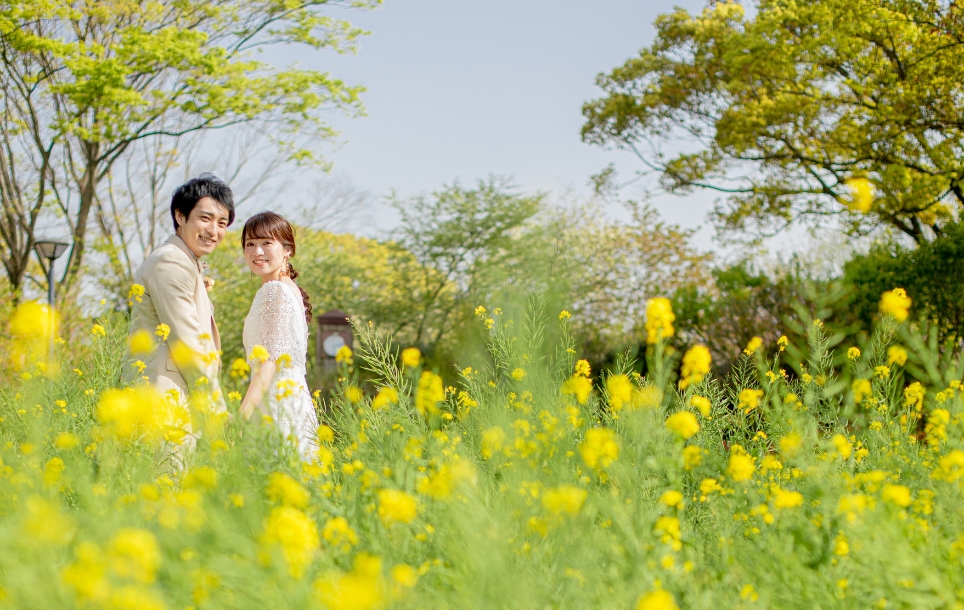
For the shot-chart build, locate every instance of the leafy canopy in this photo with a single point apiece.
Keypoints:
(780, 110)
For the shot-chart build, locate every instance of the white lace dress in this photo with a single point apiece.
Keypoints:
(277, 322)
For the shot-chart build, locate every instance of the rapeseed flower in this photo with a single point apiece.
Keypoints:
(134, 554)
(749, 399)
(740, 466)
(853, 353)
(683, 424)
(343, 355)
(620, 390)
(898, 495)
(361, 589)
(295, 534)
(385, 397)
(411, 357)
(566, 499)
(895, 303)
(659, 320)
(702, 404)
(578, 386)
(754, 344)
(692, 457)
(141, 342)
(696, 366)
(396, 506)
(339, 534)
(430, 393)
(657, 600)
(285, 490)
(599, 449)
(162, 331)
(896, 355)
(861, 389)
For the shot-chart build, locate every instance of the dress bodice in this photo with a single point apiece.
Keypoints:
(277, 322)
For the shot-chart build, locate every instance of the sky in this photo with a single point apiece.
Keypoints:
(462, 90)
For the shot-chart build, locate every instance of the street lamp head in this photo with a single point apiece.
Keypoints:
(51, 250)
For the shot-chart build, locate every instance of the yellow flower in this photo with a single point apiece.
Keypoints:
(566, 499)
(134, 554)
(405, 575)
(240, 369)
(87, 574)
(896, 355)
(882, 371)
(284, 489)
(786, 499)
(430, 392)
(480, 311)
(396, 506)
(386, 396)
(669, 530)
(791, 444)
(66, 440)
(861, 195)
(283, 362)
(564, 315)
(740, 466)
(683, 423)
(361, 589)
(914, 395)
(344, 354)
(259, 353)
(708, 486)
(951, 467)
(749, 399)
(896, 494)
(325, 434)
(657, 600)
(578, 386)
(692, 457)
(98, 331)
(339, 534)
(295, 533)
(411, 357)
(582, 368)
(696, 365)
(659, 320)
(783, 342)
(842, 445)
(135, 293)
(202, 477)
(493, 440)
(895, 303)
(163, 331)
(354, 395)
(672, 499)
(702, 404)
(861, 389)
(136, 411)
(620, 390)
(754, 344)
(853, 353)
(518, 374)
(599, 449)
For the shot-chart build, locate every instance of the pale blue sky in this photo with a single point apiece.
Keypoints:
(462, 89)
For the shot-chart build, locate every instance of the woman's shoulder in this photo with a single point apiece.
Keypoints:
(276, 289)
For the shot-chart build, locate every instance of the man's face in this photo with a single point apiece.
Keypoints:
(204, 228)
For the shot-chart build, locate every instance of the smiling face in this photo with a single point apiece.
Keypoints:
(204, 227)
(266, 257)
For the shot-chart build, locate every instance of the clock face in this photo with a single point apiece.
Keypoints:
(332, 344)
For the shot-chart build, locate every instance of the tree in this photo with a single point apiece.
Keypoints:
(455, 234)
(82, 82)
(781, 110)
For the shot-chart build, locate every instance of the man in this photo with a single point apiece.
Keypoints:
(175, 296)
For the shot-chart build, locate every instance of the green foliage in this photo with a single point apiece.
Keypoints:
(932, 274)
(784, 106)
(83, 82)
(522, 495)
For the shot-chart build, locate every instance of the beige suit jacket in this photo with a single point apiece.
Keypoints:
(174, 294)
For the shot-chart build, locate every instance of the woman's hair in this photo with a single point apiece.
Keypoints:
(268, 225)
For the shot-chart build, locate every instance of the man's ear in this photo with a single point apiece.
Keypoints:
(179, 218)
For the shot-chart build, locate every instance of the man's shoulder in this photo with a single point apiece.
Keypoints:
(166, 255)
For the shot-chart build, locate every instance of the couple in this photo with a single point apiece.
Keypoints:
(175, 295)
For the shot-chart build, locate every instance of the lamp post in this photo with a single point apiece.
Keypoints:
(50, 250)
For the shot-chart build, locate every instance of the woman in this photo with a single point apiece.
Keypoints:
(278, 322)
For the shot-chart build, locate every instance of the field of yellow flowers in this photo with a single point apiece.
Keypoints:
(810, 478)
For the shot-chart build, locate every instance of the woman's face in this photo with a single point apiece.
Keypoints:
(265, 256)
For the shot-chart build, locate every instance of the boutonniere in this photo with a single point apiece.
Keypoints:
(209, 283)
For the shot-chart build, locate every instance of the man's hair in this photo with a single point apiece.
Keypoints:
(206, 185)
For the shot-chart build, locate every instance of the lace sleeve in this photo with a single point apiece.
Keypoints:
(274, 311)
